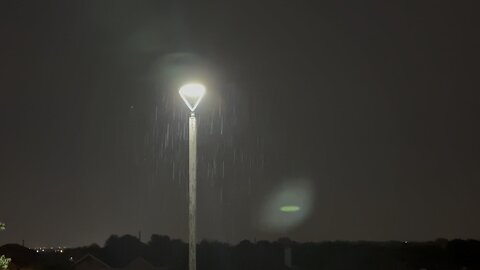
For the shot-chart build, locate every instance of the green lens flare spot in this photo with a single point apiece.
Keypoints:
(289, 208)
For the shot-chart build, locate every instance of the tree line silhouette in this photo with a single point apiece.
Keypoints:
(160, 250)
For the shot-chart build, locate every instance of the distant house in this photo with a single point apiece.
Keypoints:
(90, 262)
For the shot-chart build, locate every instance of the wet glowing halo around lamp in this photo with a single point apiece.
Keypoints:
(192, 94)
(289, 208)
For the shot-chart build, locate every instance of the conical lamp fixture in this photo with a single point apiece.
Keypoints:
(192, 94)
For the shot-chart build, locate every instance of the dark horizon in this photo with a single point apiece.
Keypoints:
(146, 240)
(360, 116)
(127, 252)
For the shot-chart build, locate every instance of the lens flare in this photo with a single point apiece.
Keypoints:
(289, 208)
(286, 207)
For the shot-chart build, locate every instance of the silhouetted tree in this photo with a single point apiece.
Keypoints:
(213, 255)
(160, 250)
(265, 255)
(244, 255)
(465, 253)
(4, 261)
(118, 251)
(179, 255)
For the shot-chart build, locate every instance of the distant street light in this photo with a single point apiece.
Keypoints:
(192, 94)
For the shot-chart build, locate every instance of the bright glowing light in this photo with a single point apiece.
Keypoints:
(192, 94)
(289, 208)
(193, 90)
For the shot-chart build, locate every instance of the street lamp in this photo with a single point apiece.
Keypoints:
(192, 94)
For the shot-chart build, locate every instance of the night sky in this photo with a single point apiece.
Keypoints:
(362, 113)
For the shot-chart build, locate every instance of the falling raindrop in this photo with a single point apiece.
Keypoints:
(221, 126)
(221, 195)
(167, 135)
(223, 169)
(211, 126)
(214, 166)
(249, 185)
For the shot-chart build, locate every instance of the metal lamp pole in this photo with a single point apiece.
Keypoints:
(192, 94)
(192, 191)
